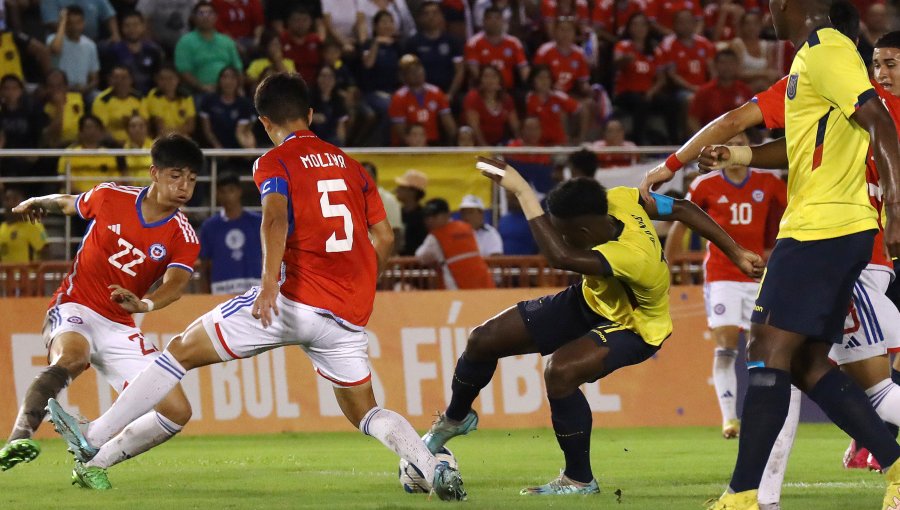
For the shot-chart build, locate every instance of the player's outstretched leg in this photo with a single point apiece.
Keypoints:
(393, 431)
(501, 336)
(725, 378)
(70, 354)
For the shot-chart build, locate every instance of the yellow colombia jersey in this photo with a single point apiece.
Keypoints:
(20, 241)
(827, 194)
(116, 111)
(72, 112)
(173, 112)
(637, 295)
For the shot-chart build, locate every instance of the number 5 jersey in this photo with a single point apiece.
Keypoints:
(120, 248)
(329, 261)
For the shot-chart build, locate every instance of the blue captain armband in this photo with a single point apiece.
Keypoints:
(273, 185)
(664, 204)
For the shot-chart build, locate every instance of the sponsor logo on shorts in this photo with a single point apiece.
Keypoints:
(719, 309)
(758, 195)
(759, 309)
(75, 320)
(157, 251)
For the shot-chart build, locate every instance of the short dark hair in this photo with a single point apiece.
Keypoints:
(131, 14)
(435, 206)
(199, 5)
(377, 17)
(228, 179)
(584, 161)
(282, 97)
(177, 151)
(89, 117)
(727, 52)
(493, 9)
(889, 40)
(429, 3)
(371, 168)
(74, 9)
(12, 77)
(581, 196)
(845, 18)
(300, 10)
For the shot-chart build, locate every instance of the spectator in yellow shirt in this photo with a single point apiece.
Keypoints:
(115, 105)
(64, 109)
(101, 168)
(21, 241)
(272, 58)
(137, 166)
(171, 111)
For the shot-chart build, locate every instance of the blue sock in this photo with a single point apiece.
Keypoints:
(468, 380)
(849, 408)
(765, 410)
(572, 422)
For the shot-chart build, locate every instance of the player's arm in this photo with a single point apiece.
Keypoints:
(719, 131)
(382, 235)
(37, 207)
(174, 281)
(768, 155)
(551, 244)
(673, 249)
(874, 118)
(273, 232)
(691, 215)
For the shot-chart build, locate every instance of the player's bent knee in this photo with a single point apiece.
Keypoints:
(176, 407)
(559, 380)
(478, 346)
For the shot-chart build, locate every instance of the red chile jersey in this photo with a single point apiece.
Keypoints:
(120, 248)
(771, 104)
(566, 68)
(639, 74)
(742, 209)
(329, 262)
(550, 112)
(689, 61)
(663, 11)
(507, 55)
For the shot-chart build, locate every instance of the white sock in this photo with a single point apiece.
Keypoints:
(151, 429)
(141, 395)
(398, 435)
(773, 476)
(885, 398)
(725, 381)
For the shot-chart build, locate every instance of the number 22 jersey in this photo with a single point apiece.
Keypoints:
(120, 248)
(329, 261)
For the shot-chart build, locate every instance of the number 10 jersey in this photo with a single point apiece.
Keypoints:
(329, 261)
(120, 248)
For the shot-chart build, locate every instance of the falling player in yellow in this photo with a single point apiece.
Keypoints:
(825, 240)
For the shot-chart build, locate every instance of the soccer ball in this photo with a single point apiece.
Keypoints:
(411, 478)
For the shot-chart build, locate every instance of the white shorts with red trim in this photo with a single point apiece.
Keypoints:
(338, 350)
(872, 328)
(118, 352)
(729, 303)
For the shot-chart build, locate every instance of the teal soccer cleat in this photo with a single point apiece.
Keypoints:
(444, 429)
(18, 451)
(562, 486)
(447, 483)
(70, 429)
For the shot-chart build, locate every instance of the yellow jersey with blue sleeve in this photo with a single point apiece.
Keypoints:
(827, 194)
(637, 294)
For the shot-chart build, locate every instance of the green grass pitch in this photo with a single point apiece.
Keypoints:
(671, 469)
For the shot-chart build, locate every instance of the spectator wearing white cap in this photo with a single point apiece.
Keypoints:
(471, 210)
(410, 191)
(391, 208)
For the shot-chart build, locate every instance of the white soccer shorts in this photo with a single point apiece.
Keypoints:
(872, 328)
(338, 350)
(730, 303)
(118, 352)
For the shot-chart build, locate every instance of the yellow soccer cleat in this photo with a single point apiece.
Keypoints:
(736, 501)
(731, 429)
(892, 493)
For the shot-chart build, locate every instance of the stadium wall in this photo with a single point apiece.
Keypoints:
(415, 339)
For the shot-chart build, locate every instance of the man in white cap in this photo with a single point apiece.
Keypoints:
(410, 191)
(471, 210)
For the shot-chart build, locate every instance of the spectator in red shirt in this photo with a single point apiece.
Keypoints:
(493, 46)
(637, 78)
(531, 137)
(242, 20)
(553, 10)
(420, 103)
(565, 60)
(489, 110)
(722, 17)
(416, 136)
(611, 17)
(553, 107)
(614, 136)
(302, 44)
(721, 94)
(663, 14)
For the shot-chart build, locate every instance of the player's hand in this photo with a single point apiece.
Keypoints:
(31, 210)
(892, 235)
(750, 263)
(503, 174)
(126, 299)
(264, 305)
(713, 157)
(653, 180)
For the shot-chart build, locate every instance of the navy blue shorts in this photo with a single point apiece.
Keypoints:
(808, 284)
(556, 320)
